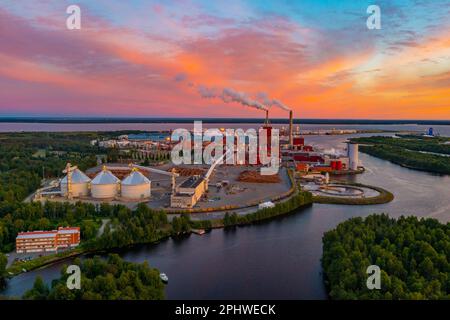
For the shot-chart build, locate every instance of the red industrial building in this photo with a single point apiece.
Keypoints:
(298, 141)
(336, 165)
(305, 157)
(44, 241)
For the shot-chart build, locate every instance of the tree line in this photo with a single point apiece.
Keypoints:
(410, 151)
(103, 279)
(412, 254)
(36, 216)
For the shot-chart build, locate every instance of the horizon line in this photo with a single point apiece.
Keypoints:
(158, 119)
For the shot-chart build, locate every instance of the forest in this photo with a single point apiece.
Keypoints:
(25, 159)
(412, 254)
(128, 227)
(103, 279)
(415, 152)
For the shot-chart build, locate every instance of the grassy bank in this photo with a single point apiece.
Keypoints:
(299, 200)
(384, 197)
(17, 267)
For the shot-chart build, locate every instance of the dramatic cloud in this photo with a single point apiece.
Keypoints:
(319, 61)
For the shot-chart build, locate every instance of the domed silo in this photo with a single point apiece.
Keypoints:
(105, 185)
(79, 185)
(136, 186)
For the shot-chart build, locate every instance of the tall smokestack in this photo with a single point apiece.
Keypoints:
(267, 117)
(291, 128)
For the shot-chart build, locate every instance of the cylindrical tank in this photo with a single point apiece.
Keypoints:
(353, 156)
(79, 184)
(135, 186)
(105, 185)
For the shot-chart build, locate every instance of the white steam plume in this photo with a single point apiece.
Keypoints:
(232, 95)
(272, 102)
(228, 95)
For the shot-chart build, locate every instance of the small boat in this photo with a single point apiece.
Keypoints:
(198, 231)
(164, 277)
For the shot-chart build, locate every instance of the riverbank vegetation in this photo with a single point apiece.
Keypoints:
(3, 263)
(299, 200)
(415, 152)
(412, 254)
(104, 279)
(128, 227)
(383, 197)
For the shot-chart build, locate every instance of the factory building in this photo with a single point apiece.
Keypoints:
(105, 185)
(135, 186)
(79, 184)
(336, 164)
(188, 192)
(47, 241)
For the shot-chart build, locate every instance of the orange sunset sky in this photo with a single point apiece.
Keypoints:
(151, 58)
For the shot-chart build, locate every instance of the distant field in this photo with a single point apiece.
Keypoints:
(431, 154)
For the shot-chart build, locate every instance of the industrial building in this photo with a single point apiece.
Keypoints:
(135, 186)
(47, 241)
(191, 190)
(303, 158)
(188, 192)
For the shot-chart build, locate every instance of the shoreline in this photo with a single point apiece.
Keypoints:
(214, 224)
(384, 197)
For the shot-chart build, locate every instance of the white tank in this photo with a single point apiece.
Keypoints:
(135, 186)
(353, 157)
(79, 185)
(105, 185)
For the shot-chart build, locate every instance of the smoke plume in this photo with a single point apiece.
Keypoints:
(228, 95)
(272, 102)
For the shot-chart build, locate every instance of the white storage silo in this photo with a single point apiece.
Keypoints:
(135, 186)
(105, 185)
(353, 158)
(79, 184)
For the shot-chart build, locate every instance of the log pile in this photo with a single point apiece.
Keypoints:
(256, 177)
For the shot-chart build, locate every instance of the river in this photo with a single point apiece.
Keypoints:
(68, 127)
(279, 259)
